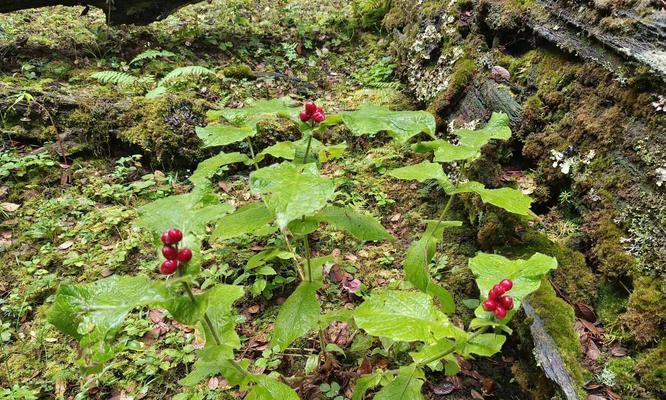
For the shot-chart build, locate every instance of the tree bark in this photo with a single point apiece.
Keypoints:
(138, 12)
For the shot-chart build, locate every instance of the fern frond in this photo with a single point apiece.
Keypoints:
(193, 70)
(115, 77)
(151, 55)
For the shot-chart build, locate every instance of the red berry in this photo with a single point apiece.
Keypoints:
(304, 116)
(175, 235)
(492, 295)
(320, 110)
(318, 117)
(310, 107)
(499, 290)
(489, 305)
(506, 302)
(184, 255)
(169, 252)
(506, 284)
(500, 312)
(166, 239)
(169, 267)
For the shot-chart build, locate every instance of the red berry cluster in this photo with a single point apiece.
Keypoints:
(312, 113)
(497, 301)
(170, 251)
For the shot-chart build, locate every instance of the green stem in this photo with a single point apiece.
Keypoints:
(449, 351)
(308, 256)
(254, 160)
(307, 149)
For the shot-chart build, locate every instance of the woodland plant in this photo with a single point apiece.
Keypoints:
(296, 199)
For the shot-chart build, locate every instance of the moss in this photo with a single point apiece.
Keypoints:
(461, 76)
(558, 319)
(607, 251)
(651, 368)
(611, 303)
(238, 71)
(646, 315)
(623, 369)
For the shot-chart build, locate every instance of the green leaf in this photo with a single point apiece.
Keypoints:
(496, 128)
(360, 226)
(221, 313)
(486, 344)
(207, 168)
(432, 350)
(269, 388)
(297, 316)
(95, 311)
(215, 360)
(292, 191)
(417, 263)
(215, 135)
(404, 316)
(406, 385)
(509, 199)
(258, 111)
(421, 172)
(286, 150)
(246, 219)
(266, 255)
(364, 383)
(370, 119)
(489, 269)
(447, 152)
(316, 264)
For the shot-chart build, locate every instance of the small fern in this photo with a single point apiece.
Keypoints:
(151, 55)
(193, 70)
(121, 79)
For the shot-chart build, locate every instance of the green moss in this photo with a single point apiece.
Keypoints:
(558, 319)
(623, 370)
(651, 368)
(646, 315)
(611, 303)
(461, 75)
(238, 71)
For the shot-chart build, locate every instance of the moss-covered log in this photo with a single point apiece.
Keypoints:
(138, 12)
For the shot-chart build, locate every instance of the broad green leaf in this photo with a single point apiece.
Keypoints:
(94, 311)
(304, 226)
(483, 321)
(183, 310)
(207, 168)
(331, 152)
(496, 128)
(404, 316)
(221, 313)
(316, 265)
(286, 150)
(447, 152)
(190, 212)
(489, 269)
(418, 259)
(267, 255)
(215, 360)
(406, 385)
(292, 191)
(268, 388)
(258, 111)
(246, 219)
(215, 135)
(509, 199)
(486, 344)
(365, 383)
(360, 226)
(421, 172)
(297, 316)
(370, 119)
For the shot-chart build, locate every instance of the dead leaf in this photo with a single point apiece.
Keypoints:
(65, 245)
(365, 367)
(10, 207)
(592, 352)
(476, 395)
(612, 395)
(618, 351)
(253, 309)
(213, 383)
(396, 217)
(585, 311)
(107, 272)
(595, 397)
(156, 315)
(443, 388)
(488, 385)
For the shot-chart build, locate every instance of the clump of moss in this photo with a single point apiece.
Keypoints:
(558, 319)
(611, 303)
(607, 250)
(623, 371)
(238, 71)
(651, 368)
(645, 316)
(461, 76)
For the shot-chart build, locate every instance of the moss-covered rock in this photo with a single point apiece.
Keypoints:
(651, 368)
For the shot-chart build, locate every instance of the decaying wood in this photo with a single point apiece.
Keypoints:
(138, 12)
(548, 356)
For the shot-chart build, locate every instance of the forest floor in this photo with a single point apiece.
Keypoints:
(73, 218)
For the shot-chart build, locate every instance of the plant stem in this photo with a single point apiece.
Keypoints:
(254, 160)
(308, 255)
(307, 149)
(449, 351)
